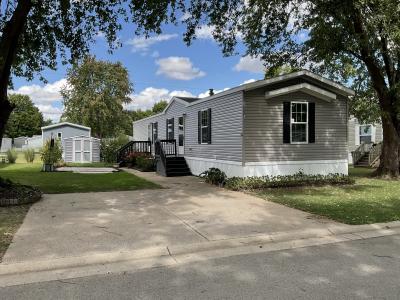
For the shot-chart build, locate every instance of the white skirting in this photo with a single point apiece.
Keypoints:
(232, 168)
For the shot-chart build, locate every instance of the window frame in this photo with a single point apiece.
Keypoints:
(59, 135)
(170, 128)
(292, 122)
(204, 126)
(363, 135)
(154, 131)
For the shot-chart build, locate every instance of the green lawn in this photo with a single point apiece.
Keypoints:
(369, 200)
(67, 182)
(10, 220)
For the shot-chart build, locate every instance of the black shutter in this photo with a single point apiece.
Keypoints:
(166, 129)
(199, 127)
(209, 125)
(311, 122)
(172, 128)
(286, 122)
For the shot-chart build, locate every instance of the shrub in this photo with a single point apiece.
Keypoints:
(214, 176)
(132, 156)
(29, 155)
(109, 148)
(145, 162)
(298, 179)
(12, 156)
(51, 155)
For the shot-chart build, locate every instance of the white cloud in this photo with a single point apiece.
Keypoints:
(248, 81)
(44, 97)
(143, 44)
(50, 112)
(150, 95)
(205, 32)
(46, 94)
(179, 68)
(250, 64)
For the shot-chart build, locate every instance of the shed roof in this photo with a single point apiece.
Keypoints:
(65, 124)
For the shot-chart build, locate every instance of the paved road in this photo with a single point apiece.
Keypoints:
(363, 269)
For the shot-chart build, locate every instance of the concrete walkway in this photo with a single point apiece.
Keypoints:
(187, 211)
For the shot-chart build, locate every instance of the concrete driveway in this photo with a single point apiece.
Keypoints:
(187, 211)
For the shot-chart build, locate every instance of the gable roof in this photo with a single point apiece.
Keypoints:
(336, 87)
(66, 124)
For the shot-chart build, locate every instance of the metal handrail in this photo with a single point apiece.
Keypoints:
(133, 146)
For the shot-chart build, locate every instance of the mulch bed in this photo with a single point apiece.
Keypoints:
(17, 194)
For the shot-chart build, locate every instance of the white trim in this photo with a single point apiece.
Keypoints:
(302, 87)
(229, 162)
(66, 124)
(357, 134)
(233, 168)
(295, 162)
(291, 123)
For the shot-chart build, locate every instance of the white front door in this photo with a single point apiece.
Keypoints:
(181, 135)
(82, 150)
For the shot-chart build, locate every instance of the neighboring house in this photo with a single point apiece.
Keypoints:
(367, 134)
(35, 142)
(20, 141)
(6, 144)
(76, 140)
(291, 123)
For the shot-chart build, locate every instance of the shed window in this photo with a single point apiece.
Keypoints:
(365, 134)
(299, 122)
(59, 135)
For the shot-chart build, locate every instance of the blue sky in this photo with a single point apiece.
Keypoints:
(159, 68)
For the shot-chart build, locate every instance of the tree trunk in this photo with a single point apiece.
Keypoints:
(5, 110)
(390, 156)
(10, 36)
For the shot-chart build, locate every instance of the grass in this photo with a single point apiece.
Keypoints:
(68, 182)
(369, 200)
(10, 220)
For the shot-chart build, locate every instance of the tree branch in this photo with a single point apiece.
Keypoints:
(389, 67)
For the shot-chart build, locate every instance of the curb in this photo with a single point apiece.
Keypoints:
(113, 262)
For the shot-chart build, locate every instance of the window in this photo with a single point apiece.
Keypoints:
(149, 132)
(204, 127)
(299, 122)
(155, 131)
(365, 134)
(170, 129)
(59, 135)
(181, 131)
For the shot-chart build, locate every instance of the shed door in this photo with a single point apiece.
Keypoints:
(82, 150)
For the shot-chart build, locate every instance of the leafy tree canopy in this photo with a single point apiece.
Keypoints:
(26, 119)
(95, 94)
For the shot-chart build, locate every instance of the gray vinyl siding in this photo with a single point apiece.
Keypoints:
(263, 129)
(353, 123)
(226, 127)
(66, 130)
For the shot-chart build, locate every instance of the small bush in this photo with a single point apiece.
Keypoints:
(12, 156)
(145, 163)
(214, 176)
(109, 148)
(29, 155)
(132, 156)
(51, 155)
(298, 179)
